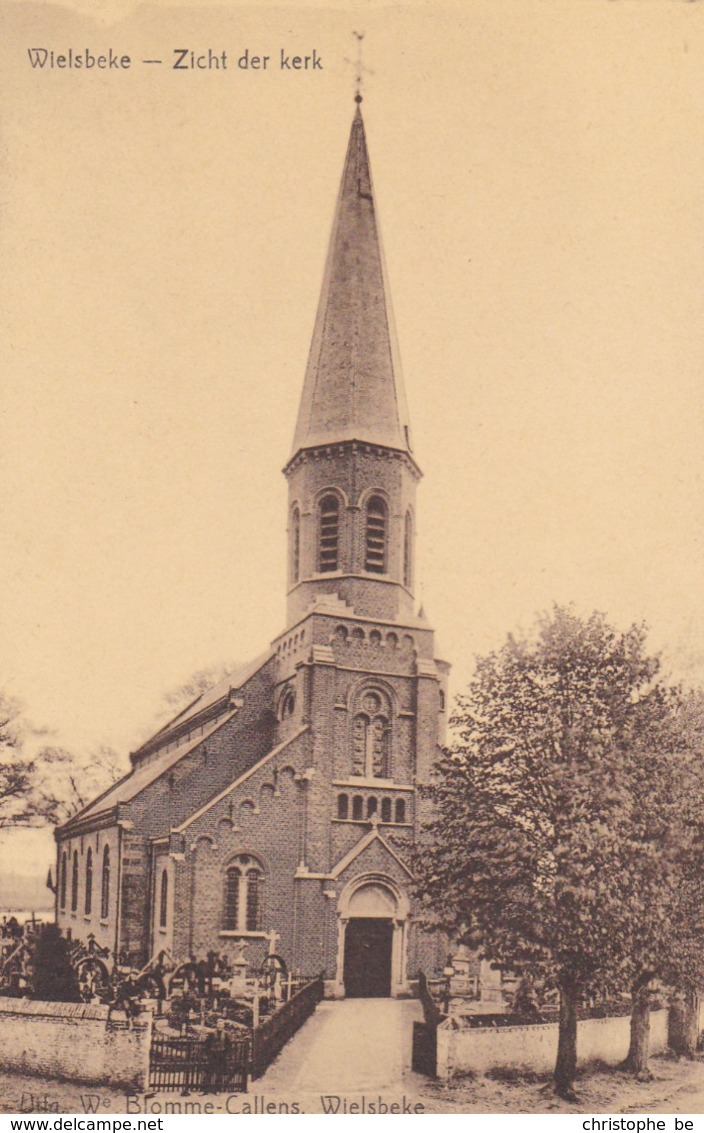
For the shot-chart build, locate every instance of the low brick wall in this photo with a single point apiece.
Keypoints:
(71, 1041)
(535, 1047)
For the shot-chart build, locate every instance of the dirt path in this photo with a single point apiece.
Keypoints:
(678, 1087)
(351, 1049)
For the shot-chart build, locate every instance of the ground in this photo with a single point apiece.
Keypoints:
(359, 1051)
(678, 1087)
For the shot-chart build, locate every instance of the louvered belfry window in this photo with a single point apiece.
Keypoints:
(329, 533)
(375, 557)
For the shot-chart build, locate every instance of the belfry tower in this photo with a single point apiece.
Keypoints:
(352, 475)
(356, 664)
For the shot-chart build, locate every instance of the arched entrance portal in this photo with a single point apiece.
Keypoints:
(373, 916)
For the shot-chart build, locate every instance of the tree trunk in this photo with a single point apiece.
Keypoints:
(638, 1052)
(684, 1035)
(566, 1064)
(693, 1005)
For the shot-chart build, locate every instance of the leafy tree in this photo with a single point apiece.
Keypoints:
(684, 954)
(527, 856)
(684, 967)
(686, 958)
(663, 861)
(24, 799)
(51, 784)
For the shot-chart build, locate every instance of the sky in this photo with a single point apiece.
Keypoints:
(537, 170)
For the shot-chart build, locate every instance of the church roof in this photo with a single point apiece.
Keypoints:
(130, 786)
(353, 387)
(208, 705)
(205, 715)
(210, 699)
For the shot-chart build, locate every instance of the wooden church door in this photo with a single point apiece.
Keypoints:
(367, 970)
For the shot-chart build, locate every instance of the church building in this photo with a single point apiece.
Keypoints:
(287, 799)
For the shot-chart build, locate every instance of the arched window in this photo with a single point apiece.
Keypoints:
(230, 919)
(343, 806)
(400, 814)
(295, 545)
(375, 554)
(244, 880)
(371, 806)
(371, 737)
(74, 882)
(328, 533)
(408, 551)
(164, 899)
(288, 704)
(386, 810)
(88, 899)
(63, 880)
(442, 700)
(105, 886)
(254, 905)
(357, 808)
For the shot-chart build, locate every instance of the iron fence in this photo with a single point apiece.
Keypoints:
(187, 1064)
(270, 1037)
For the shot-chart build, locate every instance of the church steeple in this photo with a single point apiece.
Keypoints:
(352, 475)
(353, 387)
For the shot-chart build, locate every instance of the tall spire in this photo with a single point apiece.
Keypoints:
(353, 387)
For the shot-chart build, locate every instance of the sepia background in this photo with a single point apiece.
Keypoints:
(537, 169)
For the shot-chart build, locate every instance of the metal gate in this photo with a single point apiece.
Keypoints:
(215, 1065)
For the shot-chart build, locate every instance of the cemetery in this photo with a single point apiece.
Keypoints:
(208, 1025)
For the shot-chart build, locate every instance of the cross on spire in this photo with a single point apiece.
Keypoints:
(360, 69)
